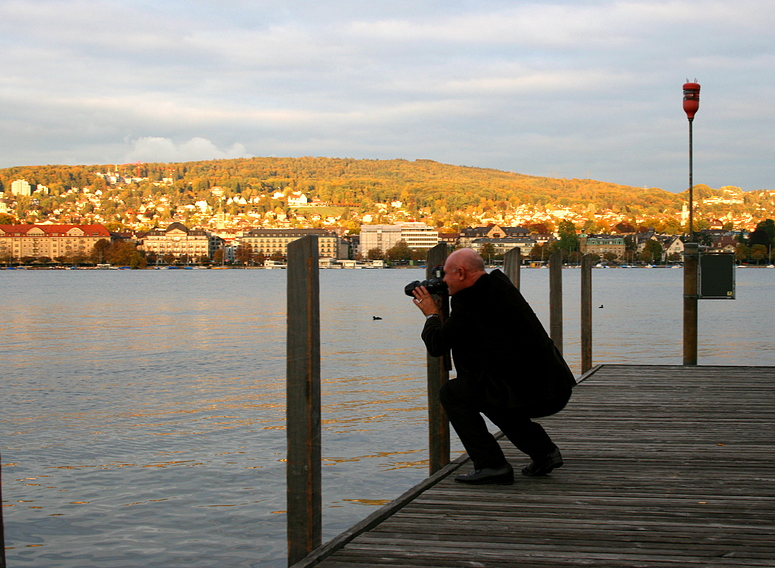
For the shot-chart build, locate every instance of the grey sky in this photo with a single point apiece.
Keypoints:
(565, 89)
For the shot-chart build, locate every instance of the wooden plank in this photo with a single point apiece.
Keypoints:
(379, 516)
(664, 466)
(303, 400)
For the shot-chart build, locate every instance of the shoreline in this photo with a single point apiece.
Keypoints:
(401, 267)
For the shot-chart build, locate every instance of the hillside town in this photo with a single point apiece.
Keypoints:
(225, 230)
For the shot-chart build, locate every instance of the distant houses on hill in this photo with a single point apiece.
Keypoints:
(177, 242)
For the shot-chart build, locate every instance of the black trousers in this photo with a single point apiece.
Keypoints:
(465, 405)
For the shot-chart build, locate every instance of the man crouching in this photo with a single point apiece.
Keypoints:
(508, 369)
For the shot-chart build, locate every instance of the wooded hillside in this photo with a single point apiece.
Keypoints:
(427, 189)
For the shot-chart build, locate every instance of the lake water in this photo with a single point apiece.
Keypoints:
(142, 412)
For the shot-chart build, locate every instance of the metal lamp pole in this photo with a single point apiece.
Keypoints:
(691, 249)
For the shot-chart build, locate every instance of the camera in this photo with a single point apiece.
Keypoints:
(435, 284)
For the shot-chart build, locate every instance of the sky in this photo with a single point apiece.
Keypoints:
(567, 89)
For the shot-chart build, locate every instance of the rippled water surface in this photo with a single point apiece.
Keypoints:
(142, 412)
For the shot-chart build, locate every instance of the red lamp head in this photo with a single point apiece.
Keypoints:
(691, 99)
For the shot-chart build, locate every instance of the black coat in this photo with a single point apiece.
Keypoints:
(498, 342)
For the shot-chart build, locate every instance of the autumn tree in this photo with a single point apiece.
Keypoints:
(243, 254)
(125, 253)
(375, 254)
(764, 234)
(539, 228)
(575, 257)
(115, 226)
(100, 250)
(704, 238)
(769, 227)
(742, 252)
(758, 253)
(569, 239)
(399, 251)
(652, 251)
(487, 252)
(539, 252)
(630, 248)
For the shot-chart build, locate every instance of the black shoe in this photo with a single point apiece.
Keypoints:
(542, 466)
(503, 475)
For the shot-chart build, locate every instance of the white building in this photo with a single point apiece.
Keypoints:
(419, 235)
(503, 245)
(21, 187)
(178, 240)
(382, 237)
(275, 241)
(52, 241)
(297, 199)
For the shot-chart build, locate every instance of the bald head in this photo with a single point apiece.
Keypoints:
(468, 258)
(462, 269)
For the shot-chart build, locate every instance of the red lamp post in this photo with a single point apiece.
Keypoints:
(691, 106)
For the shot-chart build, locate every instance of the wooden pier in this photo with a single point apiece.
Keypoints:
(664, 466)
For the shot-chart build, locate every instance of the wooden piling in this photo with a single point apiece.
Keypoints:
(586, 313)
(438, 375)
(555, 299)
(512, 261)
(2, 528)
(303, 428)
(691, 263)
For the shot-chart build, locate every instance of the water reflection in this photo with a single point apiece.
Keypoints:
(150, 432)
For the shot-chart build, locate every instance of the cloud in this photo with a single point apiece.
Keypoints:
(566, 86)
(156, 149)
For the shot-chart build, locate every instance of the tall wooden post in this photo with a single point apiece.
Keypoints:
(555, 299)
(512, 262)
(438, 374)
(303, 400)
(691, 263)
(586, 313)
(2, 529)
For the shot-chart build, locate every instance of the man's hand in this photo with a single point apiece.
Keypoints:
(424, 301)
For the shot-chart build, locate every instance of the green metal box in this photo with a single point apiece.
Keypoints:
(716, 278)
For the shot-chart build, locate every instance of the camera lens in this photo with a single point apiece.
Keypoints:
(411, 286)
(434, 286)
